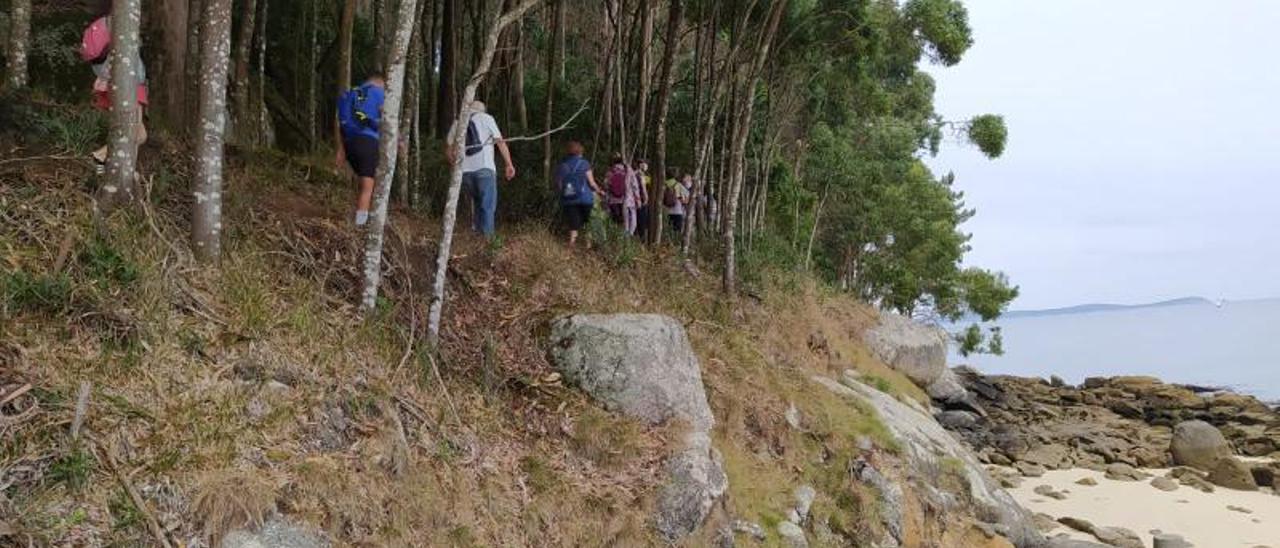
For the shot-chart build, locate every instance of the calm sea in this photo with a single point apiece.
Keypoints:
(1236, 345)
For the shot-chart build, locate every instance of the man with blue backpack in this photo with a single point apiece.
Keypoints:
(577, 189)
(359, 114)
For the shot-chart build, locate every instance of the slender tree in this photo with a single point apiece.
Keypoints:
(674, 18)
(455, 176)
(346, 28)
(389, 147)
(215, 52)
(19, 42)
(447, 102)
(241, 84)
(126, 18)
(412, 87)
(553, 78)
(172, 93)
(191, 68)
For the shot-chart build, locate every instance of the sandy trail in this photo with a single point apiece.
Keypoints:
(1201, 518)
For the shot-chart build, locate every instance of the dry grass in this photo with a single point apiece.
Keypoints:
(256, 387)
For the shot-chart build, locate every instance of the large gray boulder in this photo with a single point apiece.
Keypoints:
(928, 446)
(1198, 444)
(643, 366)
(916, 350)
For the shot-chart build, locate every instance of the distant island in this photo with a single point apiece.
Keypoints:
(1100, 307)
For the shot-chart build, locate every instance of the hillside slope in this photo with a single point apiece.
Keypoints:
(223, 397)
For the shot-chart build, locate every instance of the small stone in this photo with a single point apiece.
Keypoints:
(1169, 541)
(998, 459)
(751, 529)
(1088, 482)
(1045, 522)
(1029, 470)
(804, 495)
(792, 535)
(1119, 537)
(1082, 525)
(1232, 474)
(1164, 484)
(1123, 472)
(1240, 509)
(792, 416)
(1049, 491)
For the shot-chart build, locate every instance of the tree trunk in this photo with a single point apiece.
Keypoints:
(455, 176)
(19, 43)
(312, 80)
(642, 98)
(413, 77)
(346, 28)
(552, 81)
(191, 77)
(813, 234)
(517, 78)
(215, 48)
(737, 154)
(666, 80)
(389, 149)
(261, 124)
(447, 102)
(172, 92)
(428, 103)
(126, 18)
(242, 85)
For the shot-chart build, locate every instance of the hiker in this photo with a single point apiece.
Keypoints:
(642, 209)
(359, 115)
(95, 49)
(576, 186)
(675, 197)
(479, 172)
(624, 194)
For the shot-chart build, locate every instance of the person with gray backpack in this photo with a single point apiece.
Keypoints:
(479, 172)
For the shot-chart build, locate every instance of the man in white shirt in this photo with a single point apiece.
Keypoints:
(479, 172)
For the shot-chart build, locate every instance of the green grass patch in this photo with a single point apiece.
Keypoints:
(36, 293)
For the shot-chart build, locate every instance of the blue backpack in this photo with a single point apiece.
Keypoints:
(357, 113)
(572, 175)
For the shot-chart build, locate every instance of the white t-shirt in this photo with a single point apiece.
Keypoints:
(487, 127)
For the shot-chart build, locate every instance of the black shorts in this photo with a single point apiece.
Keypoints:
(362, 155)
(576, 215)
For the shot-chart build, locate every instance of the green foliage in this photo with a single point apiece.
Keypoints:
(972, 340)
(72, 469)
(103, 263)
(989, 133)
(27, 292)
(944, 26)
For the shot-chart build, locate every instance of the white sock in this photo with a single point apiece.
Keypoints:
(362, 217)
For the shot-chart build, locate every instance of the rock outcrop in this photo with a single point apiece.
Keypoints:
(916, 350)
(1136, 421)
(275, 533)
(643, 366)
(929, 447)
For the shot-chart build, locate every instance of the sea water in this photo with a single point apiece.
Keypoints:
(1235, 345)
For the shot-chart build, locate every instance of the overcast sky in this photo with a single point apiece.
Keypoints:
(1144, 147)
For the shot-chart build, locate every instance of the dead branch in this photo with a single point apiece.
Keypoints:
(82, 408)
(138, 502)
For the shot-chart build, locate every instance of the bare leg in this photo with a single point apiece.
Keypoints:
(573, 238)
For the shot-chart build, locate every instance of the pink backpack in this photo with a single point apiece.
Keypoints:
(618, 181)
(96, 44)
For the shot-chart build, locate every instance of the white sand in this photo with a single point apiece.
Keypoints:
(1201, 518)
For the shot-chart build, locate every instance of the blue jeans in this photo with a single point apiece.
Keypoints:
(482, 187)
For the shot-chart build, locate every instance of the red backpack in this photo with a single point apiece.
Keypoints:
(95, 46)
(618, 181)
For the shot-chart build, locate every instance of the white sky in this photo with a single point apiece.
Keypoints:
(1144, 147)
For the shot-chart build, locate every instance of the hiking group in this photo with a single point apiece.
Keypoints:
(625, 194)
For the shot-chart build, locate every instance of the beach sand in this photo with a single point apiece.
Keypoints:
(1201, 518)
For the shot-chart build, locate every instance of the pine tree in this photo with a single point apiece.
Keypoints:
(215, 52)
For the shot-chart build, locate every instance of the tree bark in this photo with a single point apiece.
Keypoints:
(389, 149)
(642, 99)
(412, 85)
(313, 25)
(552, 81)
(346, 28)
(191, 81)
(241, 84)
(261, 123)
(126, 18)
(517, 78)
(172, 92)
(813, 233)
(666, 80)
(455, 176)
(19, 43)
(447, 101)
(215, 47)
